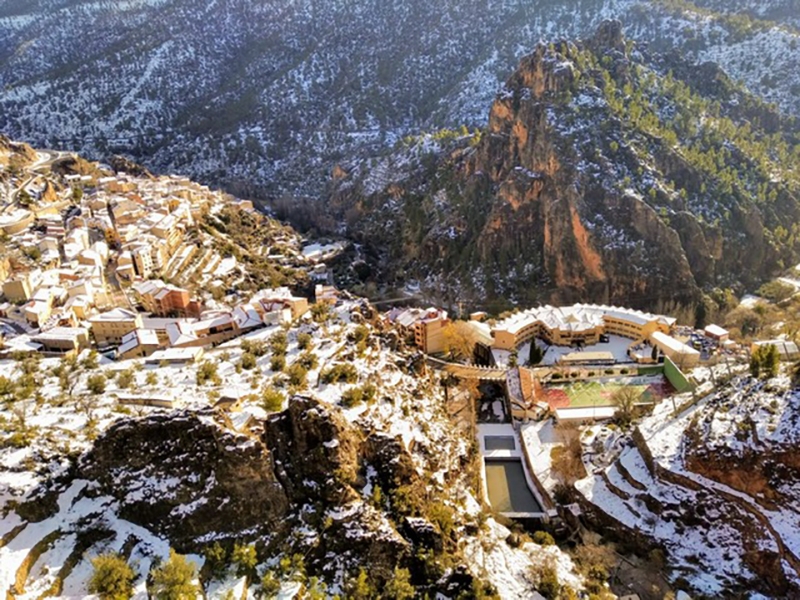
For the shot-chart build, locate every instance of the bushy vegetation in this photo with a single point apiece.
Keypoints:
(175, 579)
(321, 312)
(207, 373)
(356, 395)
(112, 577)
(765, 361)
(304, 340)
(248, 361)
(341, 372)
(543, 538)
(216, 560)
(272, 399)
(96, 384)
(277, 363)
(244, 558)
(278, 343)
(245, 232)
(297, 376)
(257, 348)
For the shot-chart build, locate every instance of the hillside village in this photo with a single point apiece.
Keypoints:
(142, 346)
(95, 260)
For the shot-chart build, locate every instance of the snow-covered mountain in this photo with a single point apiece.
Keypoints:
(267, 96)
(607, 173)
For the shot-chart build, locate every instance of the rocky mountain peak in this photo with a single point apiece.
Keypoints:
(608, 36)
(602, 176)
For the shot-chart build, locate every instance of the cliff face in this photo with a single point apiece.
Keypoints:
(582, 188)
(545, 207)
(186, 476)
(715, 487)
(750, 447)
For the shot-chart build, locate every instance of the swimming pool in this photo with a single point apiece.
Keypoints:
(508, 489)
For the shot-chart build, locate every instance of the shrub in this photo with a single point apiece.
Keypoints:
(91, 361)
(556, 376)
(776, 291)
(270, 585)
(303, 340)
(174, 580)
(278, 343)
(543, 538)
(352, 397)
(360, 334)
(443, 516)
(399, 587)
(277, 363)
(151, 378)
(248, 361)
(308, 360)
(292, 567)
(245, 558)
(358, 394)
(345, 372)
(272, 399)
(125, 379)
(207, 372)
(297, 375)
(359, 587)
(217, 560)
(112, 577)
(317, 590)
(320, 312)
(370, 392)
(96, 384)
(547, 584)
(254, 347)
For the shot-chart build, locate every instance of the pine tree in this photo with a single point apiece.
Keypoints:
(399, 587)
(245, 558)
(174, 580)
(112, 577)
(359, 587)
(755, 365)
(536, 355)
(771, 361)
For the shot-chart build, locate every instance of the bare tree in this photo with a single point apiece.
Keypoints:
(566, 460)
(625, 399)
(459, 340)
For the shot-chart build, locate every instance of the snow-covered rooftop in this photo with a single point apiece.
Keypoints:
(578, 317)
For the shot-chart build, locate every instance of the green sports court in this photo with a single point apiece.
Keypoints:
(600, 392)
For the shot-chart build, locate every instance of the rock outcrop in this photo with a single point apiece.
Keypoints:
(185, 476)
(592, 182)
(316, 452)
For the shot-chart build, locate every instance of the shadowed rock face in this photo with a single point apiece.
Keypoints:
(577, 200)
(316, 451)
(186, 476)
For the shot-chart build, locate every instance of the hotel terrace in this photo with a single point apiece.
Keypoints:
(577, 324)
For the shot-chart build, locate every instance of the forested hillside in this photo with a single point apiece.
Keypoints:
(264, 97)
(607, 173)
